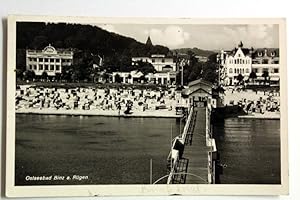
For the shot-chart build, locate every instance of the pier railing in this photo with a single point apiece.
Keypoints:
(177, 148)
(175, 160)
(211, 143)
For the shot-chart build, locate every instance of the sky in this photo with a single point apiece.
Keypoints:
(208, 37)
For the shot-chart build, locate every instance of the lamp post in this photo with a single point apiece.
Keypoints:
(218, 62)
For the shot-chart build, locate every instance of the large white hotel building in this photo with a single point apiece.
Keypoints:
(48, 60)
(246, 60)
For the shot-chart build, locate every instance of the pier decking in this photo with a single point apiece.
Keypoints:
(197, 151)
(192, 157)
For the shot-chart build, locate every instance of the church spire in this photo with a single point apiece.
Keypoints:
(149, 43)
(241, 44)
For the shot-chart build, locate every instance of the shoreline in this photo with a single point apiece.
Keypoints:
(275, 116)
(141, 114)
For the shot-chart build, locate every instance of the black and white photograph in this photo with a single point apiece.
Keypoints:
(160, 102)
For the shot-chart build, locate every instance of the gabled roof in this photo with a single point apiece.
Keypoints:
(189, 92)
(200, 81)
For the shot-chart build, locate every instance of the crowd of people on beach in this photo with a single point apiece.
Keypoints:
(254, 101)
(114, 99)
(260, 106)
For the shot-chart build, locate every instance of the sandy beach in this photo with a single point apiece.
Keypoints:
(267, 115)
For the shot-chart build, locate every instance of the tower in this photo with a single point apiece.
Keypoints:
(241, 44)
(148, 42)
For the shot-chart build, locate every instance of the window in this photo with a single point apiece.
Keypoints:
(47, 67)
(238, 61)
(163, 60)
(265, 70)
(30, 67)
(276, 70)
(51, 67)
(247, 70)
(34, 59)
(46, 59)
(243, 71)
(34, 67)
(234, 61)
(230, 70)
(40, 59)
(153, 60)
(57, 67)
(255, 70)
(57, 60)
(51, 59)
(235, 70)
(40, 67)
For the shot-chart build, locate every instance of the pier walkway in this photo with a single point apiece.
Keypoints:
(192, 157)
(197, 151)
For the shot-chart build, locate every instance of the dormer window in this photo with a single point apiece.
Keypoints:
(272, 54)
(259, 54)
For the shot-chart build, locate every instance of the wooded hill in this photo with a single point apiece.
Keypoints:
(83, 38)
(195, 51)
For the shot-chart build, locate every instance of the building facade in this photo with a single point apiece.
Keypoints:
(242, 61)
(159, 62)
(48, 60)
(132, 77)
(166, 69)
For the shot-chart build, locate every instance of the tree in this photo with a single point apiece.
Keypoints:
(265, 75)
(44, 76)
(29, 75)
(39, 42)
(240, 78)
(118, 78)
(145, 67)
(253, 76)
(58, 76)
(19, 74)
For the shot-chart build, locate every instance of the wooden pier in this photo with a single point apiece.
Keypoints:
(191, 159)
(197, 151)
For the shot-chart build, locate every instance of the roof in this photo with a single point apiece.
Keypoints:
(201, 81)
(149, 42)
(189, 92)
(51, 50)
(270, 52)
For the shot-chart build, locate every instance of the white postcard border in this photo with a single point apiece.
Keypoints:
(125, 190)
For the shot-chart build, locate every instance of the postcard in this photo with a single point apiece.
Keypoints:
(146, 106)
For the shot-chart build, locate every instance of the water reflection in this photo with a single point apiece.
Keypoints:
(251, 150)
